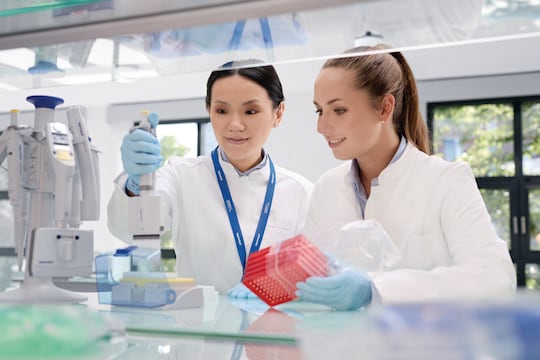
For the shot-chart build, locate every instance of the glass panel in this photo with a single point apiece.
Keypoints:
(28, 15)
(178, 139)
(181, 139)
(6, 264)
(482, 135)
(498, 205)
(534, 218)
(6, 224)
(195, 347)
(17, 7)
(531, 137)
(140, 39)
(532, 276)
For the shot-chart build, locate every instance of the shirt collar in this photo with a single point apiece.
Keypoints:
(354, 173)
(260, 165)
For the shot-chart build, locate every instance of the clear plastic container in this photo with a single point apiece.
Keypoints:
(272, 273)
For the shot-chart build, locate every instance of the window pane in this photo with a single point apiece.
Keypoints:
(208, 140)
(534, 218)
(482, 135)
(179, 139)
(532, 276)
(498, 205)
(166, 240)
(531, 137)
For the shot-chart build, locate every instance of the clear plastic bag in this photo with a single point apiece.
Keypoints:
(365, 245)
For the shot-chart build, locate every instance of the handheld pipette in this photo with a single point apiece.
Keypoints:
(144, 210)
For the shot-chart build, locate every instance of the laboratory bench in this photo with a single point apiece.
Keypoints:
(249, 329)
(225, 328)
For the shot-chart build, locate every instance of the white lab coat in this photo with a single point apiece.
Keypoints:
(193, 209)
(434, 213)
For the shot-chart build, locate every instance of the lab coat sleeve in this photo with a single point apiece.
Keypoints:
(117, 210)
(304, 205)
(482, 267)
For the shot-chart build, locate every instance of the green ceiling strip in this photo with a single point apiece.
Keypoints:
(46, 6)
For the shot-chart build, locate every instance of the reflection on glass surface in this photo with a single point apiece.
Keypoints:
(534, 218)
(168, 265)
(5, 271)
(200, 348)
(479, 134)
(3, 177)
(29, 15)
(531, 138)
(6, 224)
(498, 205)
(274, 38)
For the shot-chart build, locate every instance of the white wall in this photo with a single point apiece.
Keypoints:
(443, 74)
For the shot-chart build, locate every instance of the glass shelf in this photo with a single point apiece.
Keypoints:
(104, 41)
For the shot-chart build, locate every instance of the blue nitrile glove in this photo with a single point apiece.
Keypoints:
(240, 291)
(348, 290)
(141, 154)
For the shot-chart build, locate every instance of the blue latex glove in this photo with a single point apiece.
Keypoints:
(348, 290)
(141, 154)
(240, 291)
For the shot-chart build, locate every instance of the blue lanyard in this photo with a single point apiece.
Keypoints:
(231, 211)
(236, 37)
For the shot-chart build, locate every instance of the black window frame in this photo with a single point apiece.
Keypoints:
(517, 185)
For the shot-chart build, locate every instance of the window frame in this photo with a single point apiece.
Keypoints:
(518, 185)
(167, 254)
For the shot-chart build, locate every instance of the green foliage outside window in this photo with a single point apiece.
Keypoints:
(483, 135)
(170, 147)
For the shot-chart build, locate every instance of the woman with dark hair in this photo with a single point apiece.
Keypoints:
(223, 206)
(432, 210)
